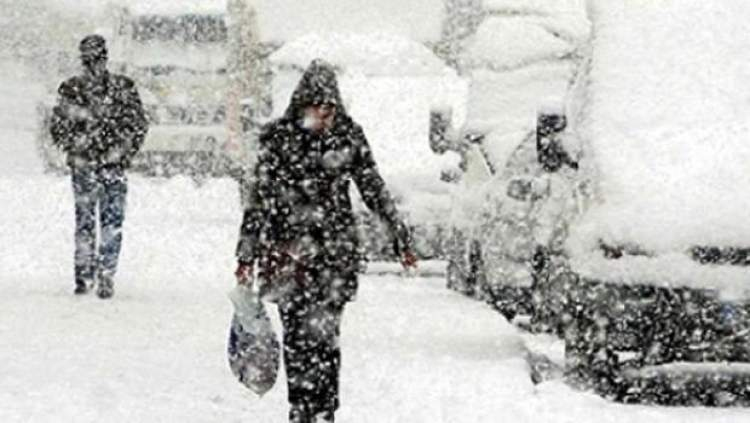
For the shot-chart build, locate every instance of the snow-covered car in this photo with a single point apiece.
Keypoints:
(521, 59)
(658, 305)
(518, 221)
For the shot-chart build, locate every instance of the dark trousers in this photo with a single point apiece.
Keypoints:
(312, 357)
(99, 195)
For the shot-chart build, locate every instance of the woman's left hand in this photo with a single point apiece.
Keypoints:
(409, 260)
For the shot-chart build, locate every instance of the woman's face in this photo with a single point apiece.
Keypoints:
(319, 117)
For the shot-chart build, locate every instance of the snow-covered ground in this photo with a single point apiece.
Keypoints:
(413, 351)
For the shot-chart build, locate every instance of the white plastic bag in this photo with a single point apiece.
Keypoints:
(253, 348)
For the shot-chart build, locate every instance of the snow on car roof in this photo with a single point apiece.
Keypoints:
(376, 53)
(508, 101)
(509, 42)
(667, 123)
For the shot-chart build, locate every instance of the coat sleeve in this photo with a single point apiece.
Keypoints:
(132, 123)
(63, 128)
(374, 193)
(261, 202)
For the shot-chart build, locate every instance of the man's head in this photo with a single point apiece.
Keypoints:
(93, 49)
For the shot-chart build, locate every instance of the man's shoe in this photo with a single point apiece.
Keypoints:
(105, 289)
(298, 414)
(324, 417)
(82, 287)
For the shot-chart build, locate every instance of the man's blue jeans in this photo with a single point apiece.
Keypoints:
(99, 204)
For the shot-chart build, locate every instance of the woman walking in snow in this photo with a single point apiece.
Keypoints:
(299, 231)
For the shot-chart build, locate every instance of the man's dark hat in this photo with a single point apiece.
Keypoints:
(93, 46)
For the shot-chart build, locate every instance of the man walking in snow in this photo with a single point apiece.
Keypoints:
(100, 124)
(299, 230)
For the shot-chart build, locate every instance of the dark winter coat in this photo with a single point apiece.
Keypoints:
(300, 204)
(113, 129)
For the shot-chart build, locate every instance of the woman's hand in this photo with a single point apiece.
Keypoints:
(244, 273)
(409, 260)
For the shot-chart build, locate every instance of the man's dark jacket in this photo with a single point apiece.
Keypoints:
(115, 127)
(300, 203)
